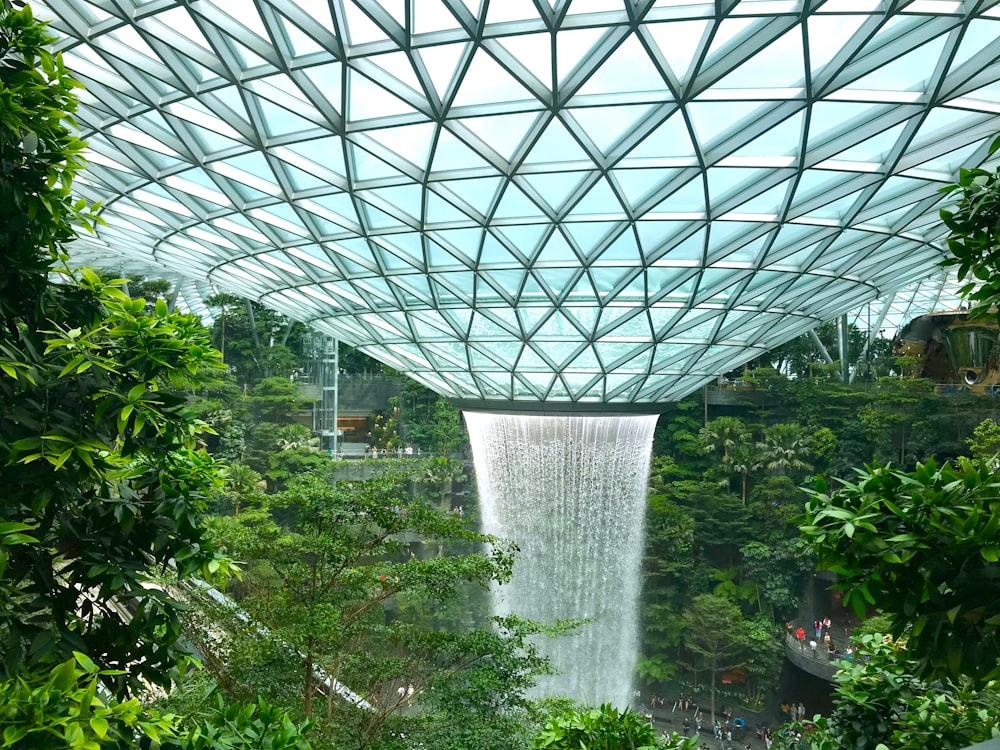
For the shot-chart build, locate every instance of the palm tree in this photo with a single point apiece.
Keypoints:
(745, 459)
(723, 433)
(785, 448)
(241, 482)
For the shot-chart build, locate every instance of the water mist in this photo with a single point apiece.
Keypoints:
(570, 491)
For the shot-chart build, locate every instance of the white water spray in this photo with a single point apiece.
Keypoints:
(570, 491)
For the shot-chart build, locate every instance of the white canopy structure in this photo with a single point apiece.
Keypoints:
(563, 201)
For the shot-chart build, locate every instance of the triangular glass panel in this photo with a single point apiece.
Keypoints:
(778, 65)
(487, 82)
(600, 200)
(531, 361)
(299, 42)
(730, 235)
(485, 328)
(586, 361)
(528, 388)
(442, 61)
(574, 46)
(458, 319)
(409, 142)
(560, 353)
(678, 42)
(428, 325)
(530, 317)
(367, 166)
(607, 279)
(653, 235)
(907, 73)
(398, 69)
(531, 291)
(875, 149)
(450, 153)
(979, 34)
(781, 140)
(376, 218)
(555, 187)
(403, 199)
(415, 288)
(511, 10)
(585, 315)
(736, 33)
(559, 327)
(368, 100)
(828, 36)
(627, 70)
(534, 52)
(578, 384)
(515, 204)
(605, 126)
(623, 251)
(505, 353)
(623, 322)
(496, 253)
(688, 199)
(479, 193)
(712, 120)
(327, 79)
(320, 156)
(556, 145)
(360, 28)
(450, 354)
(637, 184)
(461, 283)
(670, 140)
(440, 211)
(557, 250)
(587, 235)
(502, 133)
(768, 203)
(462, 243)
(407, 247)
(438, 257)
(506, 282)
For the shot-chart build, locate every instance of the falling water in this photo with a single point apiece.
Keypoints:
(571, 492)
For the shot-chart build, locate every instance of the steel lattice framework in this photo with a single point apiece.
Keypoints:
(535, 200)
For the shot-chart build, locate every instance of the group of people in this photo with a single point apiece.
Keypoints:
(791, 712)
(400, 451)
(821, 635)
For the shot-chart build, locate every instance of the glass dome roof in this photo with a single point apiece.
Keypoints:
(535, 200)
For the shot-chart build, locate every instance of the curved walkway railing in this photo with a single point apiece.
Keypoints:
(816, 661)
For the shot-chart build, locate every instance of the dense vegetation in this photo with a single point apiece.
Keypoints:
(357, 610)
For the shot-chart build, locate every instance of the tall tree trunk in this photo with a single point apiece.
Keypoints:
(307, 697)
(713, 693)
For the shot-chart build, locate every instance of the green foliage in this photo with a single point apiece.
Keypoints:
(714, 631)
(275, 400)
(64, 708)
(324, 562)
(922, 547)
(257, 343)
(39, 157)
(99, 454)
(603, 728)
(880, 704)
(985, 441)
(974, 235)
(723, 434)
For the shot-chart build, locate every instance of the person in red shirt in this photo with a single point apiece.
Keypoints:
(801, 635)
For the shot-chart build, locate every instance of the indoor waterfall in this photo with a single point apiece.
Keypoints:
(570, 491)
